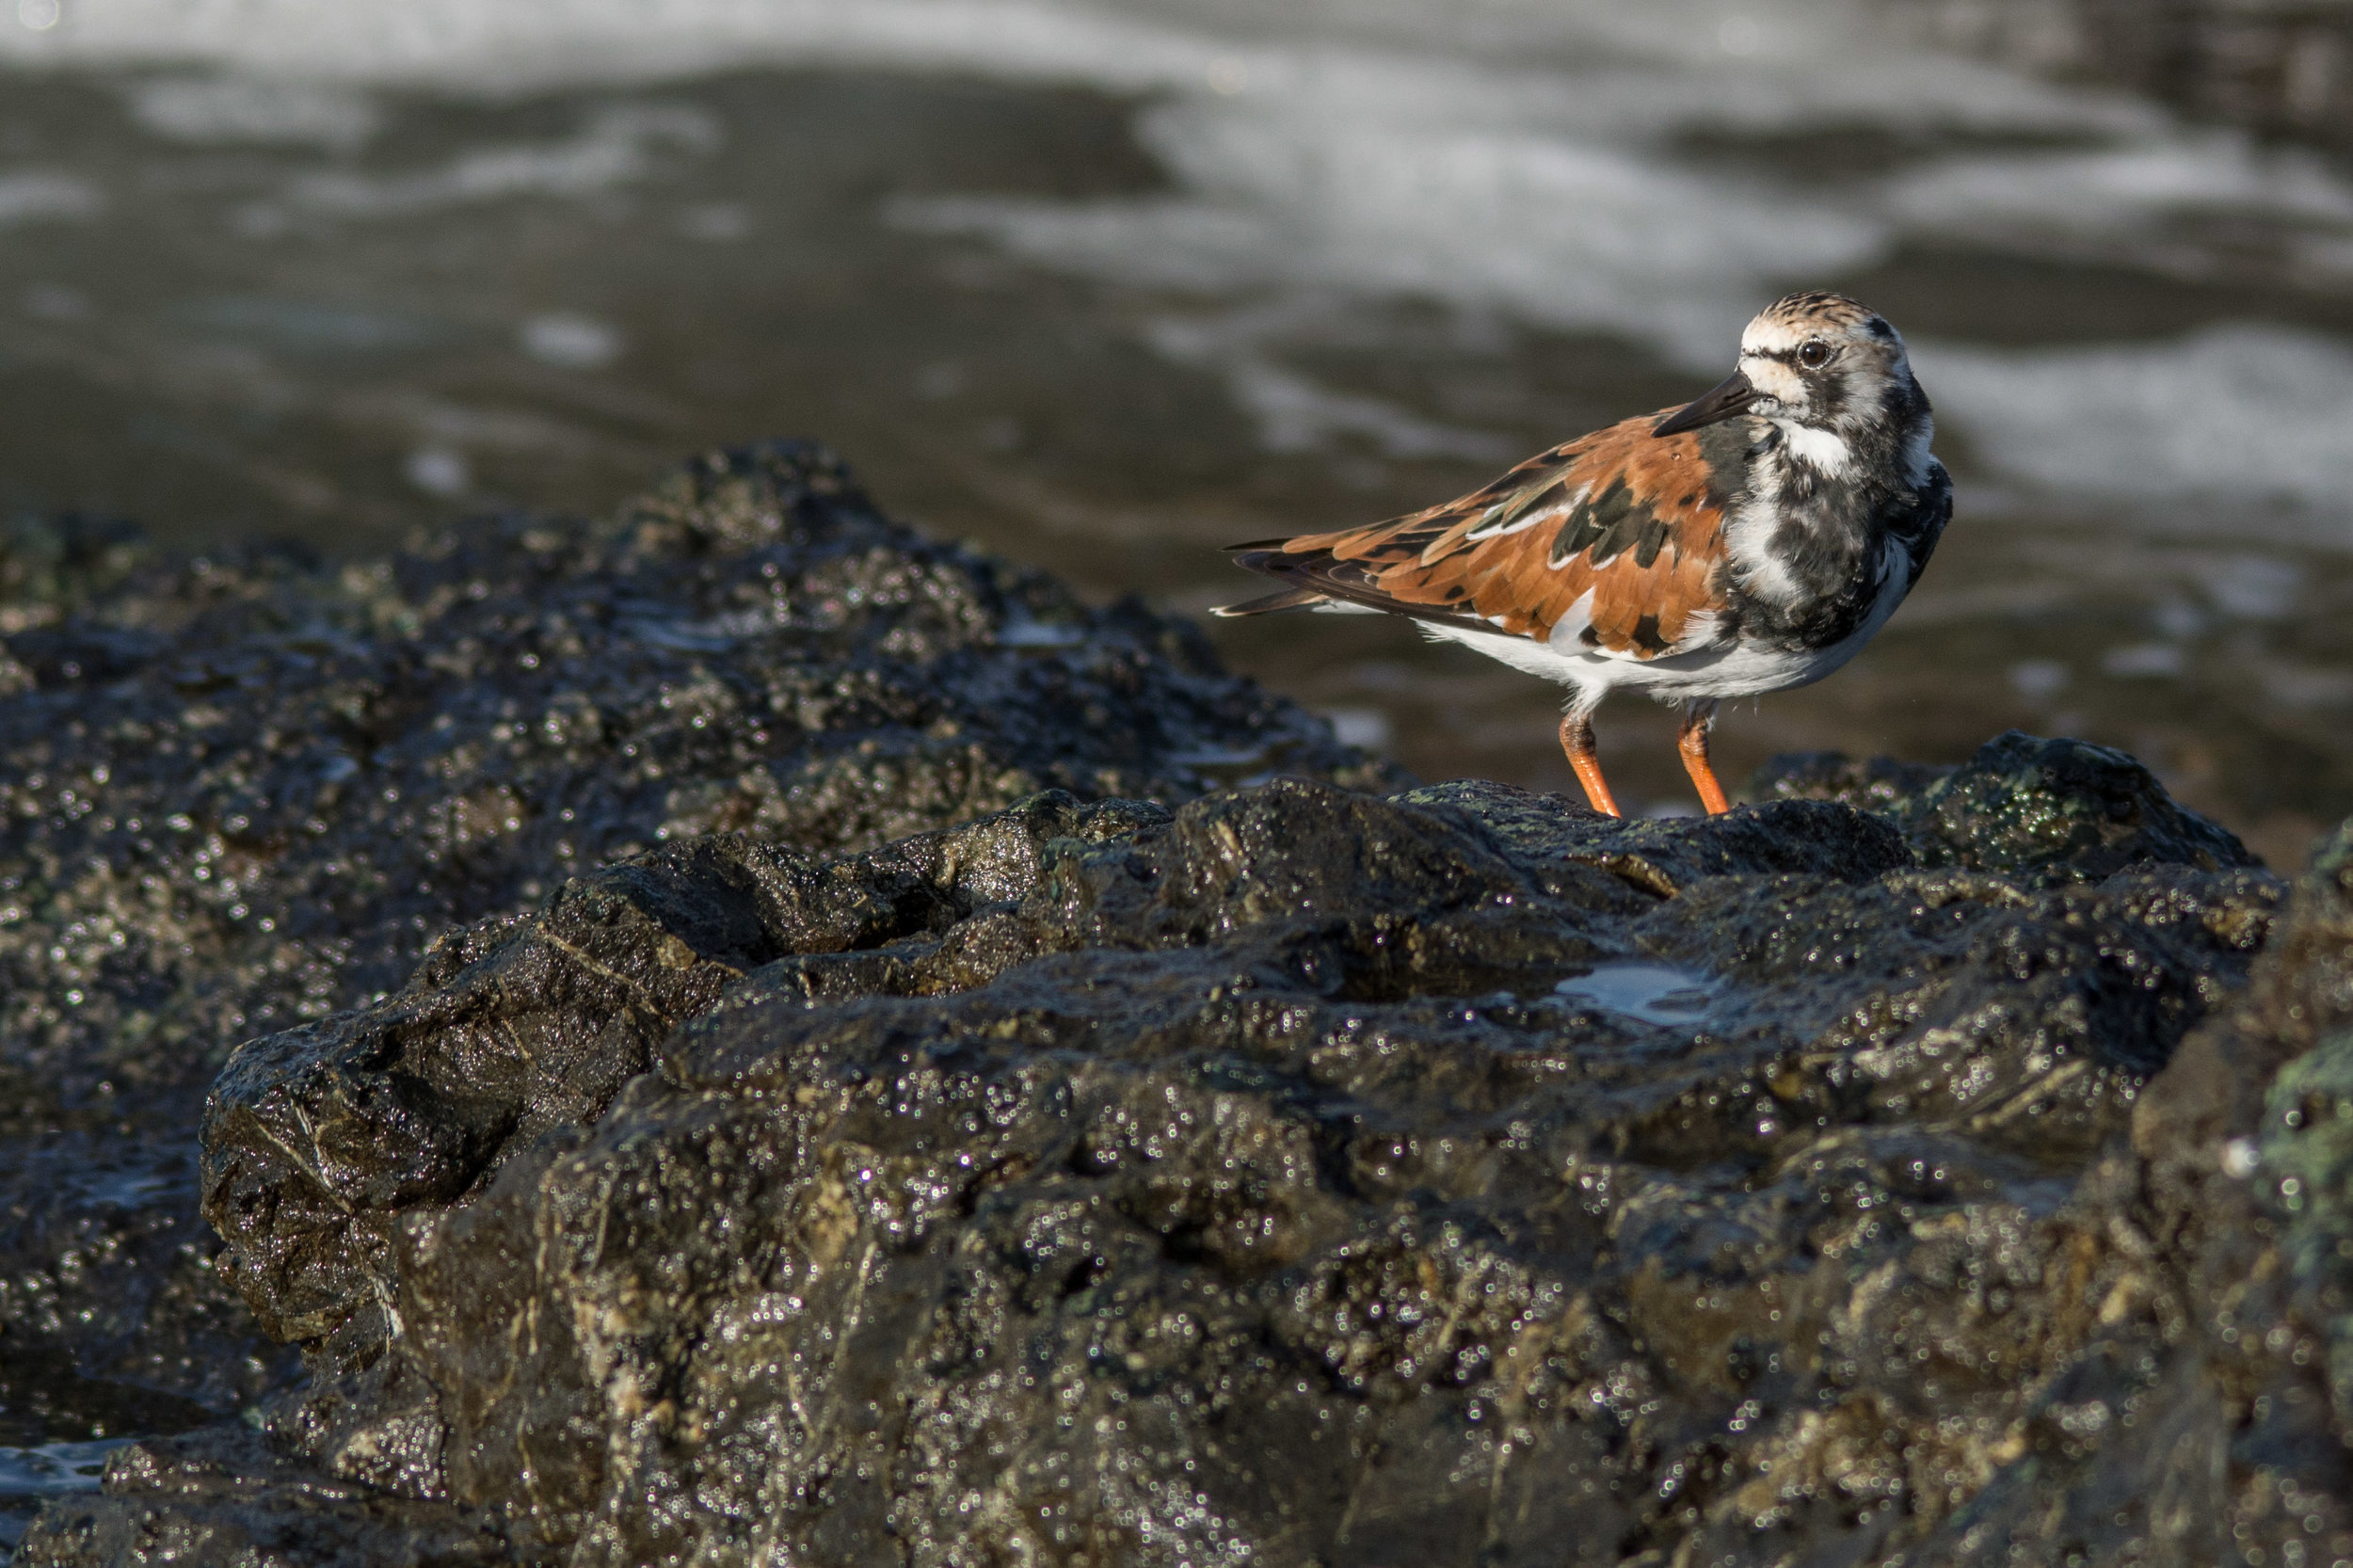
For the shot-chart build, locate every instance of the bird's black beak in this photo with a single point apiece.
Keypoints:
(1729, 397)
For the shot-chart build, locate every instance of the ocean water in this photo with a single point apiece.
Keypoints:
(1106, 284)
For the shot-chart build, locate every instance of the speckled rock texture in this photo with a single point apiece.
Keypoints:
(1304, 1177)
(2040, 813)
(242, 793)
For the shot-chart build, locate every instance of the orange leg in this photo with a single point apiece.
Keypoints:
(1692, 742)
(1576, 739)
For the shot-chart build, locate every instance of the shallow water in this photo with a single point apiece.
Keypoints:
(1654, 993)
(1107, 285)
(31, 1476)
(52, 1469)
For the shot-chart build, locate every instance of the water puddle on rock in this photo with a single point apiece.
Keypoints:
(1654, 993)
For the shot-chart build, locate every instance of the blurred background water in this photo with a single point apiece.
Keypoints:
(1105, 284)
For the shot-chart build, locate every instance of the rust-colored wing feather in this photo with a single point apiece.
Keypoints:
(1634, 519)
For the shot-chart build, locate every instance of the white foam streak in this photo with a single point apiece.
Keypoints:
(247, 109)
(521, 46)
(2240, 413)
(2123, 189)
(1513, 157)
(1331, 188)
(615, 146)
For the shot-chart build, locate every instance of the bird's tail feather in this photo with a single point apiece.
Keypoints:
(1290, 599)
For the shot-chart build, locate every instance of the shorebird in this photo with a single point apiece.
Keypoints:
(1748, 542)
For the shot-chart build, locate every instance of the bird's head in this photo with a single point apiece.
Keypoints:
(1816, 360)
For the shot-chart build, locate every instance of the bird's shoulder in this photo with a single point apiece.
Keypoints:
(1620, 531)
(1917, 517)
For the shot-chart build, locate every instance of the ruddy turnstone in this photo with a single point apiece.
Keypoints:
(1748, 542)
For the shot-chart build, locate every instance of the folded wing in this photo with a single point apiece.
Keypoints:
(1619, 534)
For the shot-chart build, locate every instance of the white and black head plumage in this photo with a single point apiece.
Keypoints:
(1825, 359)
(1816, 363)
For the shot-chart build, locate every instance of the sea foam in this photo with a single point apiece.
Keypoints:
(1572, 166)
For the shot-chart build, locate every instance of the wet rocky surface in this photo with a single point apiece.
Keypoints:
(1917, 1165)
(244, 792)
(765, 1038)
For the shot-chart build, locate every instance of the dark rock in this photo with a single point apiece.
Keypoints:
(2037, 811)
(1296, 1174)
(2203, 1417)
(1874, 784)
(50, 566)
(223, 1496)
(322, 1141)
(758, 1166)
(2057, 811)
(242, 795)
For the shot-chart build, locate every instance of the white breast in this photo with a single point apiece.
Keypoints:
(1824, 451)
(1749, 534)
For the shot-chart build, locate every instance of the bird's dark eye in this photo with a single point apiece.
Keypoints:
(1815, 353)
